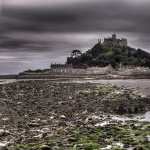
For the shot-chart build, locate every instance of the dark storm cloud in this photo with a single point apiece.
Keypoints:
(30, 45)
(90, 17)
(77, 17)
(37, 20)
(34, 33)
(12, 43)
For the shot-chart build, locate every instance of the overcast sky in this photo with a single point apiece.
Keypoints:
(34, 33)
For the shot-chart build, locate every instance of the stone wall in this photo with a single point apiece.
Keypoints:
(90, 70)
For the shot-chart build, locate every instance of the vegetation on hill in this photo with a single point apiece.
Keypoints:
(102, 56)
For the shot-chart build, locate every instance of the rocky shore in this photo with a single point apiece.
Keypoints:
(46, 115)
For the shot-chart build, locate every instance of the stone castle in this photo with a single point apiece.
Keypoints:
(69, 69)
(114, 42)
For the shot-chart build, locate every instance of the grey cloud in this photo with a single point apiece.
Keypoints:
(90, 17)
(98, 16)
(57, 28)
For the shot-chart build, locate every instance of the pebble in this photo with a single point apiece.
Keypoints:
(3, 145)
(45, 147)
(63, 117)
(4, 132)
(5, 119)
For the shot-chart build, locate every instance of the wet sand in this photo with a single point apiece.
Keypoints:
(142, 85)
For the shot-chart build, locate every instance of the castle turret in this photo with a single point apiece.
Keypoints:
(114, 36)
(99, 41)
(115, 42)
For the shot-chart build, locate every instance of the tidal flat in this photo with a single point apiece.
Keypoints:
(46, 115)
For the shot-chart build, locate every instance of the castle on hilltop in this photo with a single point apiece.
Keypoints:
(114, 42)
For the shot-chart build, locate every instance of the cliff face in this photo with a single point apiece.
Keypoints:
(101, 55)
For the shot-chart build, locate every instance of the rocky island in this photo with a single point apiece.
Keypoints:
(111, 58)
(111, 51)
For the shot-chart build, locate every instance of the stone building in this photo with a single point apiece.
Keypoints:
(68, 69)
(115, 42)
(60, 68)
(65, 69)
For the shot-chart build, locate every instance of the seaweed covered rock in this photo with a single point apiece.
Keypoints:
(41, 114)
(113, 99)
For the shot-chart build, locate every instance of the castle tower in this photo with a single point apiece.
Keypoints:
(99, 41)
(114, 36)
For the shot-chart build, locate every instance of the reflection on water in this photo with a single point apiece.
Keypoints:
(144, 117)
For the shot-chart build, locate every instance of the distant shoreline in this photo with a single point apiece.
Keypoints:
(73, 76)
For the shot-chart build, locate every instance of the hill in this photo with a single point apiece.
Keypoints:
(101, 55)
